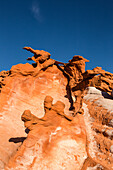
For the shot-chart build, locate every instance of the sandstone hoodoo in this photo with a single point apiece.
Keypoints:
(56, 115)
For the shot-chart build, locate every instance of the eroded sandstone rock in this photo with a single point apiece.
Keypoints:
(53, 115)
(39, 55)
(80, 83)
(103, 82)
(25, 89)
(98, 115)
(57, 130)
(54, 141)
(3, 75)
(42, 58)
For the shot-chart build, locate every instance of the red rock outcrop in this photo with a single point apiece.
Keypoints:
(50, 96)
(104, 82)
(54, 141)
(42, 58)
(25, 87)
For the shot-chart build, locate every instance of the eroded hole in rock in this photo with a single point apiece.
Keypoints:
(34, 65)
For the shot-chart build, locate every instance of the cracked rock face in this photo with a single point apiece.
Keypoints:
(50, 117)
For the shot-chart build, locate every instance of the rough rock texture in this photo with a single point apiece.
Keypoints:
(99, 120)
(56, 134)
(104, 82)
(55, 141)
(22, 92)
(3, 75)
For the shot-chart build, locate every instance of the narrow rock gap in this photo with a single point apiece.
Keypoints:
(68, 89)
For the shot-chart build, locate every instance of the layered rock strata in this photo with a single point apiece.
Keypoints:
(99, 126)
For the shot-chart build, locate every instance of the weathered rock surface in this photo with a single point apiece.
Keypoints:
(55, 141)
(50, 96)
(3, 75)
(23, 90)
(104, 82)
(99, 120)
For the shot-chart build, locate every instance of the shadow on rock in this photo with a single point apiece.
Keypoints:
(106, 95)
(17, 140)
(27, 130)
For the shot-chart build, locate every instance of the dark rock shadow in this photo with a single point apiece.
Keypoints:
(68, 89)
(17, 139)
(34, 65)
(106, 95)
(27, 130)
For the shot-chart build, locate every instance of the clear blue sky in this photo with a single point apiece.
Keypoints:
(62, 27)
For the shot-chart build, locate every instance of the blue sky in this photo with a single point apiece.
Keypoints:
(62, 27)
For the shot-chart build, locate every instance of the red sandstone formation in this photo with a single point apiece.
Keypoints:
(39, 55)
(54, 140)
(52, 117)
(51, 98)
